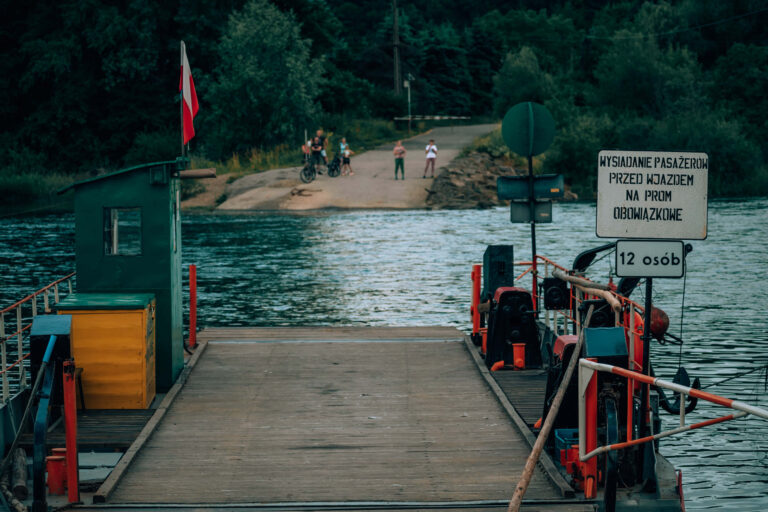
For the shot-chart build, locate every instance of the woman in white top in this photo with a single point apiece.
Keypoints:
(431, 151)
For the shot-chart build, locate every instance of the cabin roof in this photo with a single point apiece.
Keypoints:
(105, 301)
(170, 165)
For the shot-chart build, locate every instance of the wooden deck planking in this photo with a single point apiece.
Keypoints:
(527, 507)
(99, 429)
(525, 390)
(282, 422)
(320, 333)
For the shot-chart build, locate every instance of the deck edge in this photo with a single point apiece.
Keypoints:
(106, 489)
(544, 460)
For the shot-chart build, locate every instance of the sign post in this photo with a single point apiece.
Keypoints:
(658, 198)
(528, 129)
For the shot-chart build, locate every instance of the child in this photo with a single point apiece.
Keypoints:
(345, 154)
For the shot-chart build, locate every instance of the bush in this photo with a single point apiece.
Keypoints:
(574, 151)
(155, 146)
(190, 188)
(736, 164)
(31, 187)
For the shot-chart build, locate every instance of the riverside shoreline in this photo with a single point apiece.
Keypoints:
(372, 187)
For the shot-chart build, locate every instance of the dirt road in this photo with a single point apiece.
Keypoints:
(372, 186)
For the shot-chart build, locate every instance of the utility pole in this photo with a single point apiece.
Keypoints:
(408, 85)
(396, 45)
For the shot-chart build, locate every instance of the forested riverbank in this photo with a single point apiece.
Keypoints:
(94, 87)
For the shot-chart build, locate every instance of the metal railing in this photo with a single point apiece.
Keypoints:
(588, 408)
(15, 324)
(627, 313)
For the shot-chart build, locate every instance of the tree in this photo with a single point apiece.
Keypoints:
(265, 85)
(739, 82)
(520, 79)
(444, 81)
(635, 74)
(86, 78)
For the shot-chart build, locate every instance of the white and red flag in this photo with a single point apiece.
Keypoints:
(189, 105)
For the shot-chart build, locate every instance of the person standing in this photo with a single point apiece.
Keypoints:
(345, 162)
(399, 153)
(317, 152)
(431, 152)
(324, 141)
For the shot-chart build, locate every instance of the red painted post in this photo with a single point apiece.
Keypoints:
(630, 406)
(476, 275)
(590, 466)
(535, 284)
(54, 466)
(70, 424)
(192, 306)
(63, 453)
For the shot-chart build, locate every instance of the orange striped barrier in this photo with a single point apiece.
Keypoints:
(588, 408)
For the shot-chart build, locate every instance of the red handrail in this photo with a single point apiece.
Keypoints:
(20, 329)
(35, 294)
(15, 364)
(16, 333)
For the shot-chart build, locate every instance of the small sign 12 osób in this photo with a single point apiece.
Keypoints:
(650, 258)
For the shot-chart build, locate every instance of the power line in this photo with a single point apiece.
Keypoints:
(681, 30)
(641, 36)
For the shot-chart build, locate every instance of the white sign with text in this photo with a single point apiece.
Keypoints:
(650, 258)
(652, 194)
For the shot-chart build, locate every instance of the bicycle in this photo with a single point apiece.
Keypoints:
(313, 166)
(334, 168)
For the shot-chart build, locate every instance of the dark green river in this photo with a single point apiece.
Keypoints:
(412, 268)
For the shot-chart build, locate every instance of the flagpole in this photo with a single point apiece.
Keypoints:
(181, 95)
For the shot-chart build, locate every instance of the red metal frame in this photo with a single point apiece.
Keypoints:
(476, 278)
(589, 468)
(192, 306)
(70, 423)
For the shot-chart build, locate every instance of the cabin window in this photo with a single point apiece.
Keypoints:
(122, 231)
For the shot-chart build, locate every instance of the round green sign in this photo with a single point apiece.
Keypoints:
(528, 128)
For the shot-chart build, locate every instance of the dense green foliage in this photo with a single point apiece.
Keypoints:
(93, 84)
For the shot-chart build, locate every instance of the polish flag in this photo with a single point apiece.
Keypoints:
(188, 96)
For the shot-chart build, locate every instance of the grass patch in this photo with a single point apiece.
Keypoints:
(190, 188)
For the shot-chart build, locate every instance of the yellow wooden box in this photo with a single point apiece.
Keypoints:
(113, 341)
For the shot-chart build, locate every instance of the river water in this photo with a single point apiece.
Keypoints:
(412, 268)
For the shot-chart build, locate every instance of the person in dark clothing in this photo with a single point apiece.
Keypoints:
(324, 143)
(317, 151)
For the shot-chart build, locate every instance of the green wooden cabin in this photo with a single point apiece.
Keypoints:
(128, 239)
